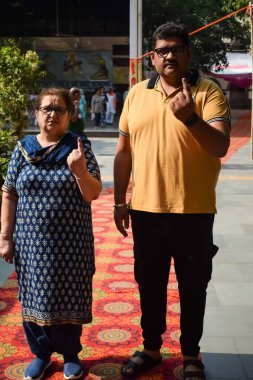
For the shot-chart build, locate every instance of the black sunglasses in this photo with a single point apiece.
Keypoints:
(175, 50)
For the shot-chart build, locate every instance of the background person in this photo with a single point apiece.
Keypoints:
(46, 229)
(97, 107)
(105, 101)
(110, 106)
(76, 122)
(174, 128)
(83, 105)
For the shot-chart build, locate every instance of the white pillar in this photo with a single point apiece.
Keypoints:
(139, 28)
(135, 42)
(133, 28)
(139, 63)
(251, 135)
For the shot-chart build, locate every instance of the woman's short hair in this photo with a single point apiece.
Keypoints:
(60, 92)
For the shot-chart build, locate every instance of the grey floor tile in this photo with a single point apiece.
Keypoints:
(212, 298)
(235, 190)
(234, 255)
(244, 344)
(223, 366)
(247, 362)
(218, 345)
(228, 321)
(240, 242)
(248, 228)
(234, 293)
(5, 271)
(226, 212)
(220, 241)
(227, 272)
(235, 229)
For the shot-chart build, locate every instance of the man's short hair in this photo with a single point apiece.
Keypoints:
(170, 29)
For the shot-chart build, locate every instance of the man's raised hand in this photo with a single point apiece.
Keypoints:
(182, 105)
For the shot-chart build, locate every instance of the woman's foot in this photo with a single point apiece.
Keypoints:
(72, 368)
(35, 370)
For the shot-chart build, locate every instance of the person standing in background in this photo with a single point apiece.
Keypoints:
(97, 107)
(110, 106)
(105, 100)
(83, 105)
(76, 123)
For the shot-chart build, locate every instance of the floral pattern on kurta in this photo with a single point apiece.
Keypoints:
(54, 249)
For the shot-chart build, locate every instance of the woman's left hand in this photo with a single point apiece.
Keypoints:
(76, 160)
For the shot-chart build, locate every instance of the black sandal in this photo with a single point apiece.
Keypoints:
(138, 368)
(197, 363)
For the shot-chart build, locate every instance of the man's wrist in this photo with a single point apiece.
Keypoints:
(119, 205)
(192, 119)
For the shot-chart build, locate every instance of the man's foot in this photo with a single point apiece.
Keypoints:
(35, 370)
(193, 369)
(140, 362)
(72, 368)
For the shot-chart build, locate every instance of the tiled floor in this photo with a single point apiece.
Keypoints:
(227, 343)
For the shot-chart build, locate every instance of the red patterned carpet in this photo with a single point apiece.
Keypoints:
(240, 135)
(114, 333)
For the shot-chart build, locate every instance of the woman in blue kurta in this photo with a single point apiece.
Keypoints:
(46, 228)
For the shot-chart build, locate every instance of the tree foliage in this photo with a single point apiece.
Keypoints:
(7, 143)
(235, 5)
(20, 76)
(210, 45)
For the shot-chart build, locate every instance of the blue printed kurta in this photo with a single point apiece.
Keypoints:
(54, 250)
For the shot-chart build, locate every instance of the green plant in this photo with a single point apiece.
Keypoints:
(20, 76)
(7, 144)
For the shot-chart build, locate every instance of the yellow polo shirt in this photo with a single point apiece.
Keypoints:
(171, 172)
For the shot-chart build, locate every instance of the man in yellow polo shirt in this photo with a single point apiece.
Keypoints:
(174, 128)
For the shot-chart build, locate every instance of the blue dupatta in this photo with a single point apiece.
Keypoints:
(34, 153)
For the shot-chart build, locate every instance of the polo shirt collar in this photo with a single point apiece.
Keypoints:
(193, 79)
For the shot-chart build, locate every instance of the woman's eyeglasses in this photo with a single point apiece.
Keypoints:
(48, 110)
(175, 50)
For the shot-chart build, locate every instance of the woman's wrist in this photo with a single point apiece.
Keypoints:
(6, 236)
(80, 176)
